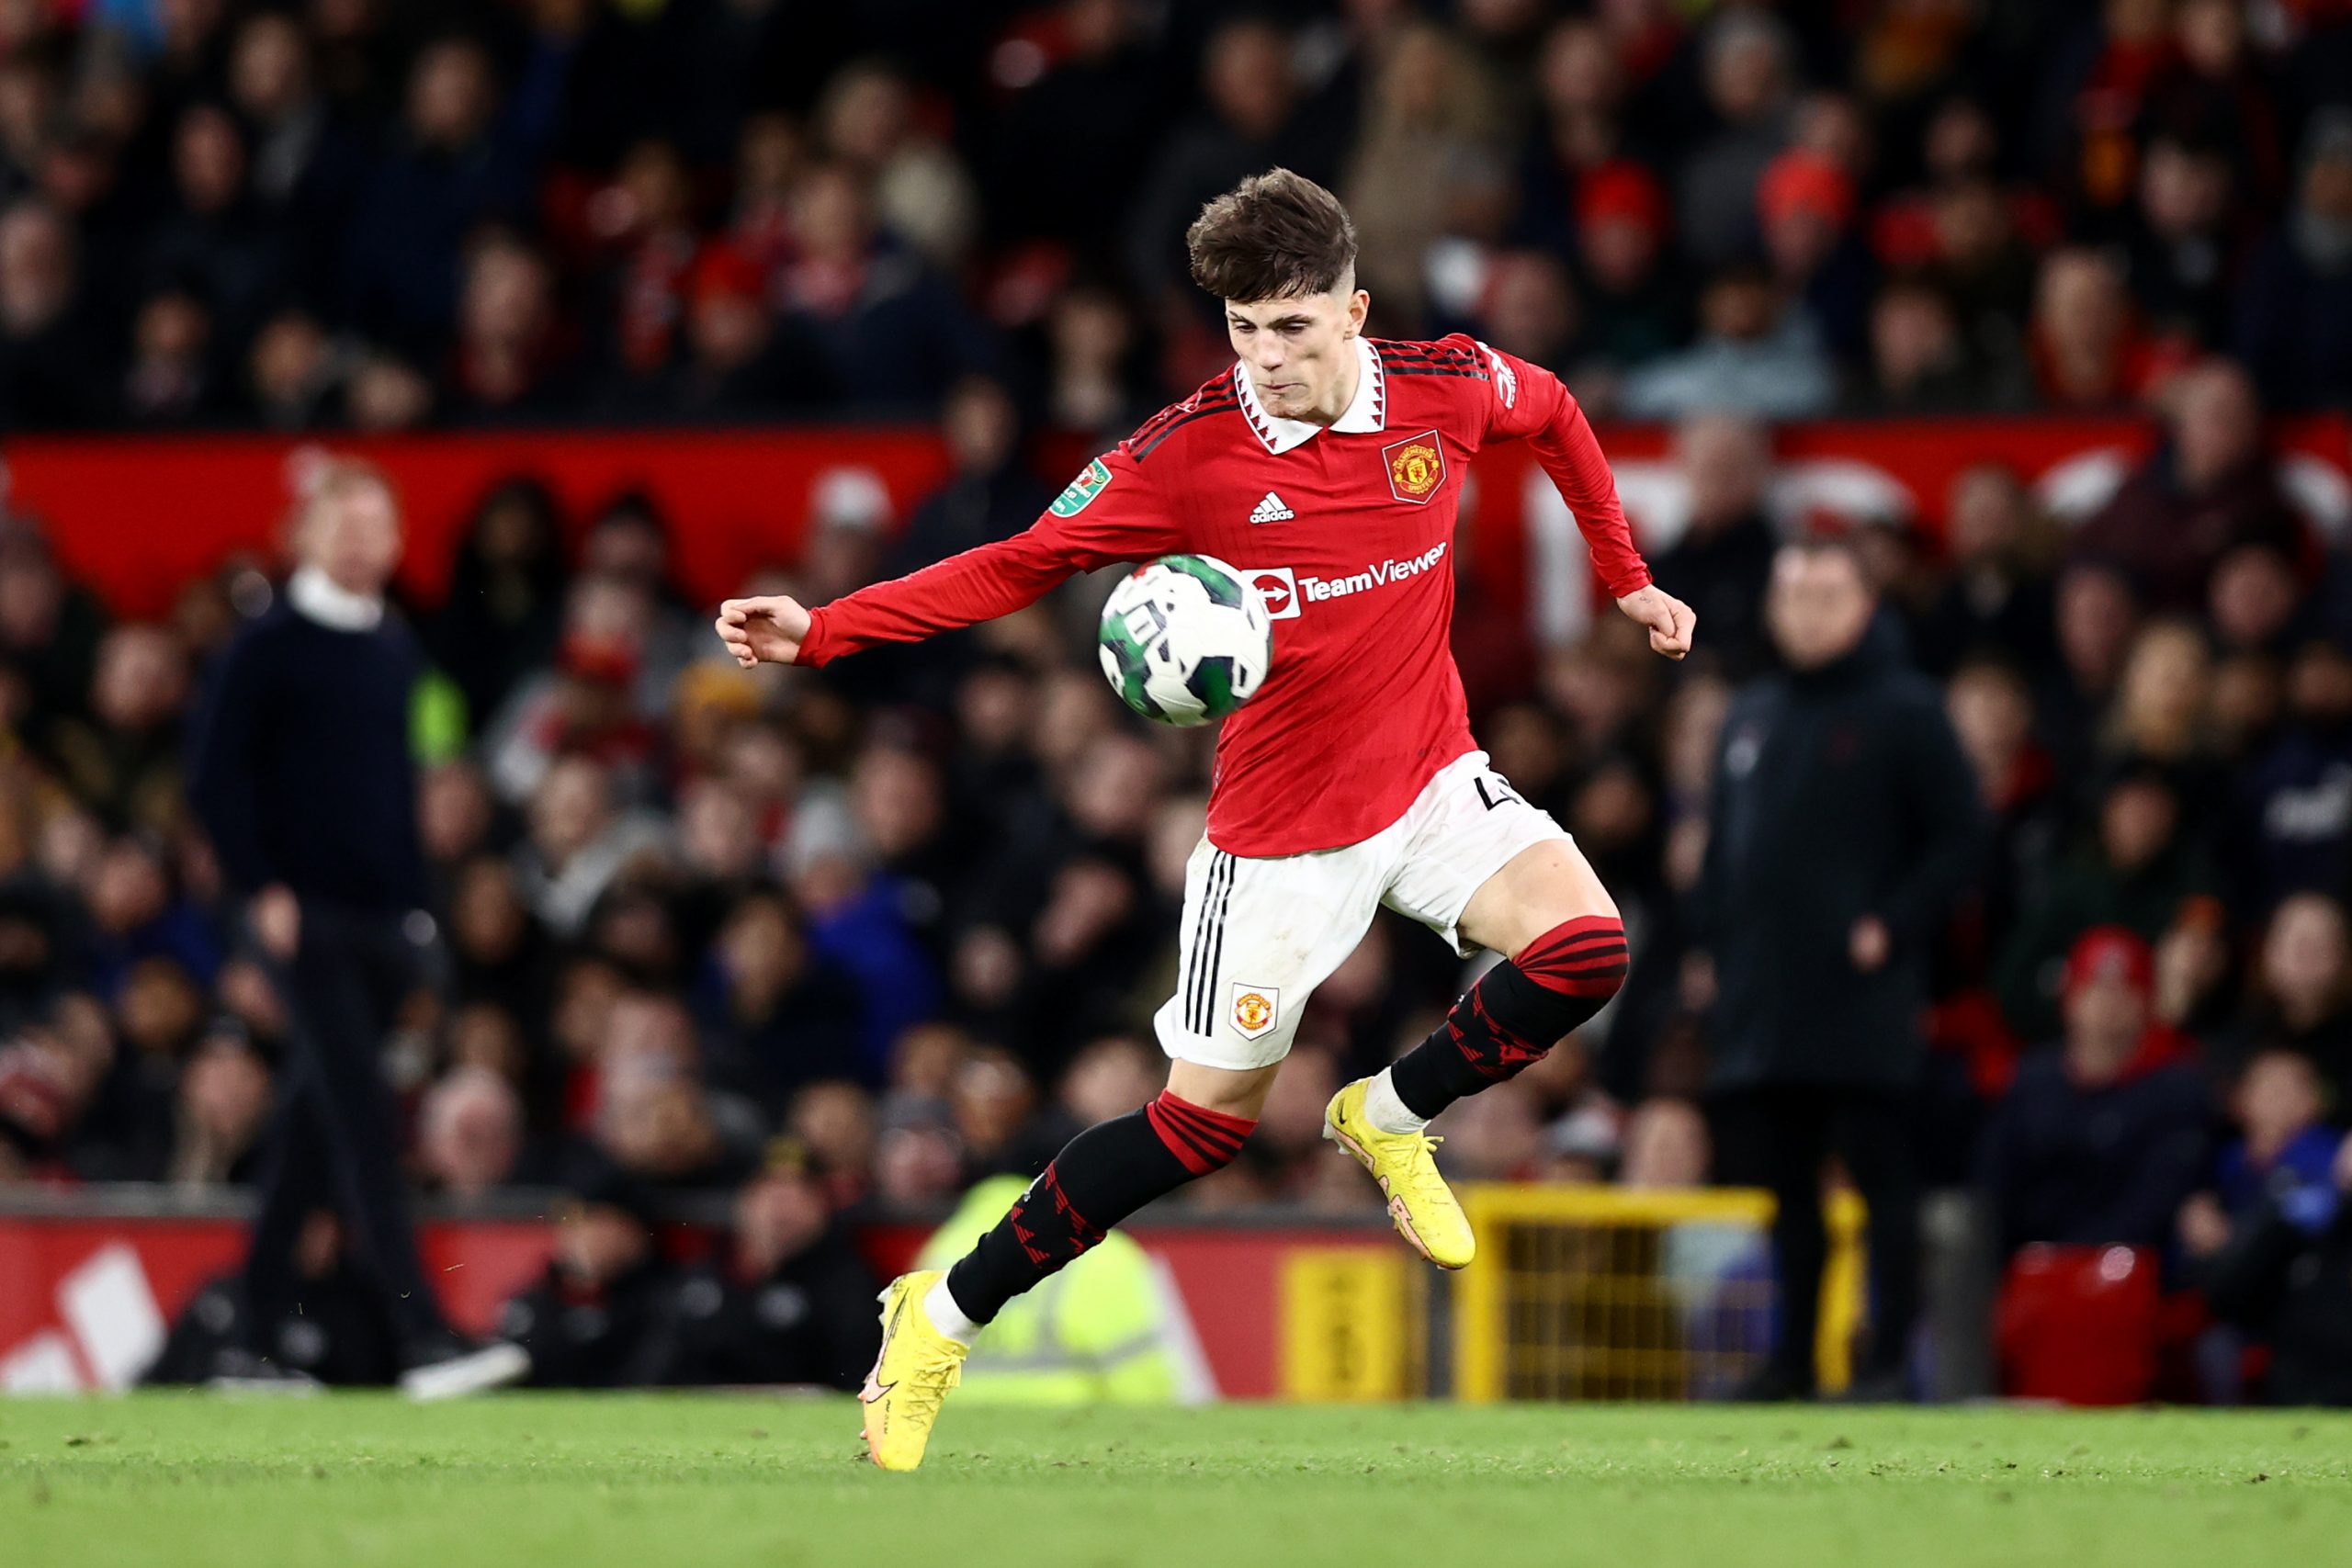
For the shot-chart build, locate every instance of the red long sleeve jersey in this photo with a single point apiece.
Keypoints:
(1346, 530)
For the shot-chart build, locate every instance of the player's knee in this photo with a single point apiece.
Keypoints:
(1584, 958)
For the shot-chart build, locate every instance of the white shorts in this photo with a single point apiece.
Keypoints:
(1260, 935)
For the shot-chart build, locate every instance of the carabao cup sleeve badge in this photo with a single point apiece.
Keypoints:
(1082, 490)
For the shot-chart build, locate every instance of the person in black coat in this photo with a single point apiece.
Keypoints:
(2102, 1140)
(334, 1330)
(593, 1319)
(301, 773)
(1723, 561)
(1843, 823)
(788, 1300)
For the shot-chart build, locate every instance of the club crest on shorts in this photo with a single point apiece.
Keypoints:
(1256, 1010)
(1416, 468)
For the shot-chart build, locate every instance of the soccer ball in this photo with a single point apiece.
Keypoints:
(1185, 639)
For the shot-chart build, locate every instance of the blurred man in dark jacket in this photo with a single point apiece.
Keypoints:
(2211, 489)
(593, 1320)
(2101, 1141)
(335, 1330)
(302, 771)
(1721, 564)
(1842, 827)
(788, 1302)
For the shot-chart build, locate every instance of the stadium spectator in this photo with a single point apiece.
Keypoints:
(2295, 794)
(1747, 67)
(867, 118)
(2102, 1139)
(990, 494)
(788, 1300)
(1995, 595)
(292, 375)
(1721, 564)
(453, 164)
(2294, 320)
(334, 1331)
(1752, 357)
(1423, 153)
(2302, 995)
(891, 332)
(1842, 827)
(224, 1105)
(2135, 868)
(1250, 123)
(1637, 307)
(2211, 489)
(2087, 350)
(469, 1132)
(46, 372)
(2280, 1273)
(503, 613)
(594, 1318)
(509, 356)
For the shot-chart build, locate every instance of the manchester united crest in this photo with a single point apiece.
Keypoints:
(1416, 468)
(1255, 1008)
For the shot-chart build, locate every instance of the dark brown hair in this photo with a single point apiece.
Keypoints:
(1274, 236)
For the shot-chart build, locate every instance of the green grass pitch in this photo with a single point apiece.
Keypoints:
(647, 1481)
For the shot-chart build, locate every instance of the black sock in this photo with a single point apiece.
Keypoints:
(1514, 1014)
(1102, 1176)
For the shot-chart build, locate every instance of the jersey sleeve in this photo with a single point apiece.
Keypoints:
(1527, 401)
(1109, 514)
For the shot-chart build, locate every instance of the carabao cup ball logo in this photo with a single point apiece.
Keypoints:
(1416, 468)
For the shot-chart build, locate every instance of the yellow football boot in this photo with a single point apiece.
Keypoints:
(1418, 1200)
(917, 1366)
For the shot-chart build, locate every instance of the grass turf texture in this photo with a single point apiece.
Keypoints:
(347, 1481)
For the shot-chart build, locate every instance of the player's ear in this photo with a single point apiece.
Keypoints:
(1359, 306)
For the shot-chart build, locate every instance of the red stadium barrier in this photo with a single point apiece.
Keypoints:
(135, 518)
(86, 1297)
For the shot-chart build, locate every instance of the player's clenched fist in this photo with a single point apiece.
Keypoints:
(1670, 620)
(768, 629)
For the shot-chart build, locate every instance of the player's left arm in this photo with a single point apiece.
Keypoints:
(1528, 402)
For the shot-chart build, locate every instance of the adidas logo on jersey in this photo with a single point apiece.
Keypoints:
(1272, 509)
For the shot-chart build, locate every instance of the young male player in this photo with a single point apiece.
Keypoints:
(1328, 467)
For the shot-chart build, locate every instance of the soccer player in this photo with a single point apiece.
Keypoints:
(1328, 466)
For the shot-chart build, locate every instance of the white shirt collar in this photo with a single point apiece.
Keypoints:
(1367, 411)
(317, 597)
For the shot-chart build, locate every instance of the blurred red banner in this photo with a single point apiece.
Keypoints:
(135, 518)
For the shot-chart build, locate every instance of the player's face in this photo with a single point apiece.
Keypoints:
(1300, 361)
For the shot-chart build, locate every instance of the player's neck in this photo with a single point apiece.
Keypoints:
(1343, 395)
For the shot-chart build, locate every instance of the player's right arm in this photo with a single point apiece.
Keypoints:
(1109, 514)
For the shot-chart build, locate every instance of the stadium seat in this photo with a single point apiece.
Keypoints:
(2078, 1325)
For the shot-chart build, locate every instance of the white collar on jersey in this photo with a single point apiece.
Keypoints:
(1367, 411)
(318, 597)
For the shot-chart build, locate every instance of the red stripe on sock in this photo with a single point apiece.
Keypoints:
(1191, 1121)
(1201, 1139)
(1583, 957)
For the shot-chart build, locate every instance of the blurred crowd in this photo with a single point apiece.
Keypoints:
(306, 214)
(897, 925)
